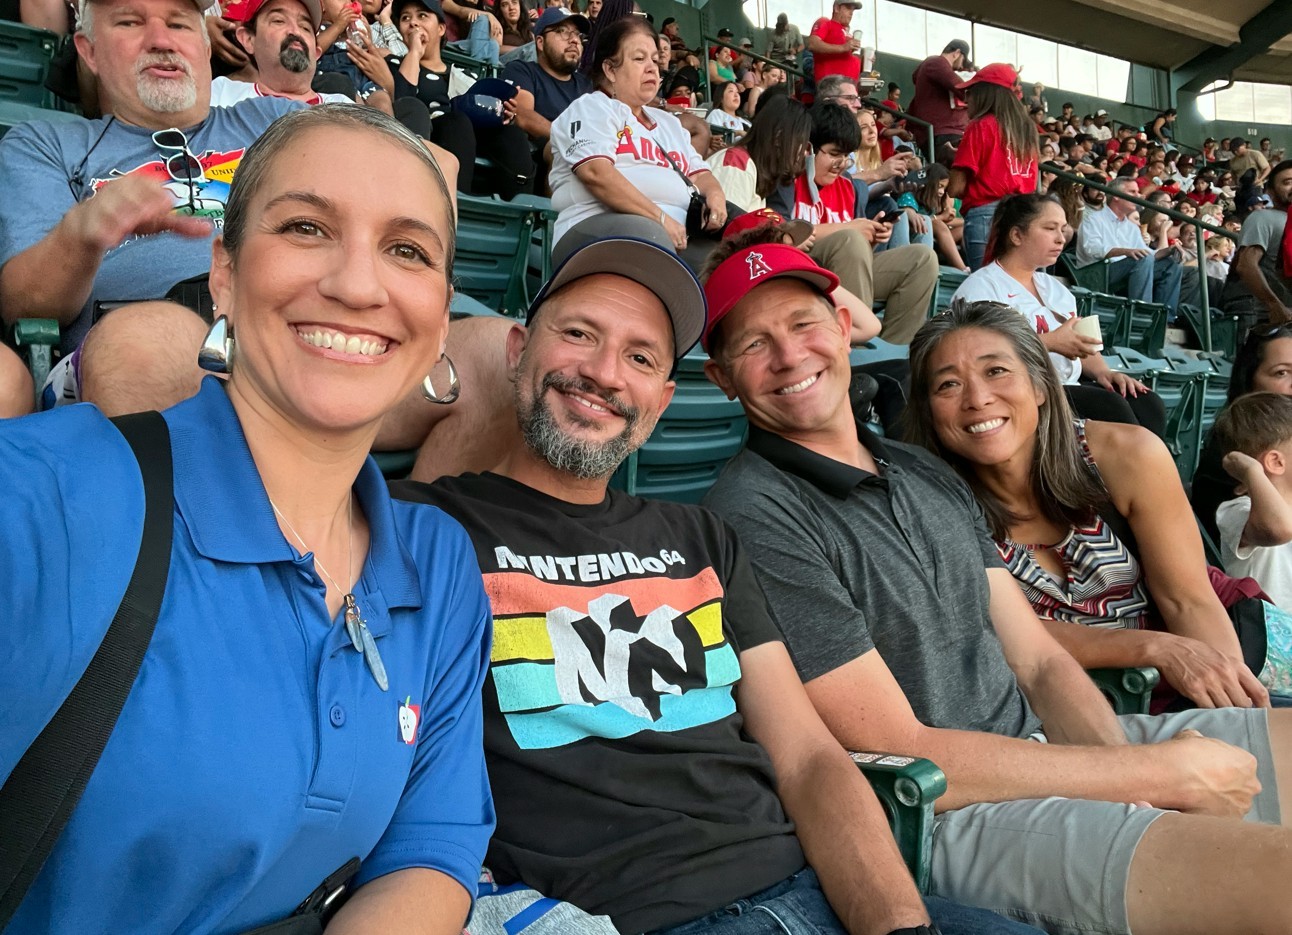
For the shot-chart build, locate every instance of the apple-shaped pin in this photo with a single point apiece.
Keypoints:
(409, 715)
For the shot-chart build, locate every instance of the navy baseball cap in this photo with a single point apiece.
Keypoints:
(554, 16)
(658, 269)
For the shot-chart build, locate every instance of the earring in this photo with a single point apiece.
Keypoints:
(454, 390)
(216, 353)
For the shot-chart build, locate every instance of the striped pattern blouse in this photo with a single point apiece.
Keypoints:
(1103, 585)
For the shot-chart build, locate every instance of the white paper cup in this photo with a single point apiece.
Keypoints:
(1089, 327)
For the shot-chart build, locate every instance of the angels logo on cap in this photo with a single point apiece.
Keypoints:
(757, 265)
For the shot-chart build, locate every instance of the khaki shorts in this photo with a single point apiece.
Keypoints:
(1063, 864)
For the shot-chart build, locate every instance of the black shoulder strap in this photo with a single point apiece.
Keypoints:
(38, 797)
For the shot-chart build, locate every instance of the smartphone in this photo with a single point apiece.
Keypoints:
(919, 176)
(885, 217)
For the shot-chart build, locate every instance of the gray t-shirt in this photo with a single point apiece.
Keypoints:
(46, 168)
(851, 562)
(1262, 229)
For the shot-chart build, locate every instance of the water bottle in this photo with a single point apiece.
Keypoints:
(357, 32)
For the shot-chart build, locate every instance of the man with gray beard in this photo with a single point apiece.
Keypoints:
(98, 213)
(280, 37)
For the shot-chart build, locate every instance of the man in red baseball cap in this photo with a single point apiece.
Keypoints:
(280, 37)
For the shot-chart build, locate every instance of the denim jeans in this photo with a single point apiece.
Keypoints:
(796, 906)
(1150, 279)
(477, 44)
(976, 230)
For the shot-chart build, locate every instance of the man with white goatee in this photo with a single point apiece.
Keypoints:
(100, 212)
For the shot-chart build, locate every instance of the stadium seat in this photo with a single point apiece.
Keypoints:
(1129, 691)
(1182, 387)
(907, 787)
(35, 339)
(25, 54)
(696, 436)
(1224, 328)
(1114, 318)
(1133, 363)
(493, 249)
(475, 67)
(949, 280)
(1146, 327)
(1093, 276)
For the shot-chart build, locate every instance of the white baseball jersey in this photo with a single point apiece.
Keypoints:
(596, 126)
(226, 92)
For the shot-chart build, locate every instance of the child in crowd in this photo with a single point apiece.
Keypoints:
(1256, 527)
(931, 202)
(380, 34)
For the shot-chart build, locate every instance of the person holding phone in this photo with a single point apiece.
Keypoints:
(903, 278)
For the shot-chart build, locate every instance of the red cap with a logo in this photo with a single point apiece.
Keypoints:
(996, 73)
(750, 268)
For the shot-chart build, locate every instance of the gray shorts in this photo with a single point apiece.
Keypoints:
(1063, 864)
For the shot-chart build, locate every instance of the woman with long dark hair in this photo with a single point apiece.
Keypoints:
(770, 154)
(1088, 516)
(1026, 237)
(997, 155)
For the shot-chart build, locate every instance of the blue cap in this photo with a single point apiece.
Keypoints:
(554, 16)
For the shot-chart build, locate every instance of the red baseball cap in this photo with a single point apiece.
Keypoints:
(751, 267)
(798, 231)
(995, 73)
(244, 11)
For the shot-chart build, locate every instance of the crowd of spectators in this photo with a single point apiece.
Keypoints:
(957, 587)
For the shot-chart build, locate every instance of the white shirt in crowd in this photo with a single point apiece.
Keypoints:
(1057, 305)
(596, 126)
(1271, 566)
(725, 121)
(225, 92)
(1101, 133)
(1101, 231)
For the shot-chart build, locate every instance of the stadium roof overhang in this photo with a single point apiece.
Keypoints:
(1205, 41)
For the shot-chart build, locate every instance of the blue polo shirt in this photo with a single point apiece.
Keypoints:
(255, 753)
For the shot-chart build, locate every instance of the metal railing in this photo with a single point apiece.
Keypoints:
(704, 78)
(1204, 298)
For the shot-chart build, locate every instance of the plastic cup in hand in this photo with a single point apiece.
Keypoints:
(1088, 327)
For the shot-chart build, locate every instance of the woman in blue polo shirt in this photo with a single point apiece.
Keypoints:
(269, 736)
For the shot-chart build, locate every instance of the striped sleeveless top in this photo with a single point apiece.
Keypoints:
(1104, 585)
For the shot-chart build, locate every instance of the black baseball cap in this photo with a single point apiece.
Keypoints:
(432, 6)
(646, 263)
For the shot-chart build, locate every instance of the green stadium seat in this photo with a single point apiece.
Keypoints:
(696, 436)
(1182, 387)
(1129, 691)
(1146, 327)
(35, 339)
(1093, 276)
(475, 67)
(1134, 363)
(949, 280)
(493, 249)
(907, 787)
(25, 54)
(1114, 318)
(1224, 328)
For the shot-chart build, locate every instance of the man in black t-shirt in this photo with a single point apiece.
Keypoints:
(550, 84)
(651, 752)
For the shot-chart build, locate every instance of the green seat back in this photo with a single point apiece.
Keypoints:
(25, 54)
(493, 249)
(699, 432)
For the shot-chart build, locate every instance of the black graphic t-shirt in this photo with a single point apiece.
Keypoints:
(621, 775)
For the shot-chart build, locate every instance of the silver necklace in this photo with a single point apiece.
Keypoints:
(355, 626)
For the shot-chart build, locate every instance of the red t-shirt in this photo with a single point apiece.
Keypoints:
(1202, 198)
(847, 64)
(834, 204)
(994, 171)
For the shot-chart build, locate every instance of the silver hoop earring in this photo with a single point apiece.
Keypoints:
(454, 390)
(216, 353)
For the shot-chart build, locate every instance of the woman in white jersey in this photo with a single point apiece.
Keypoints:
(1026, 236)
(618, 164)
